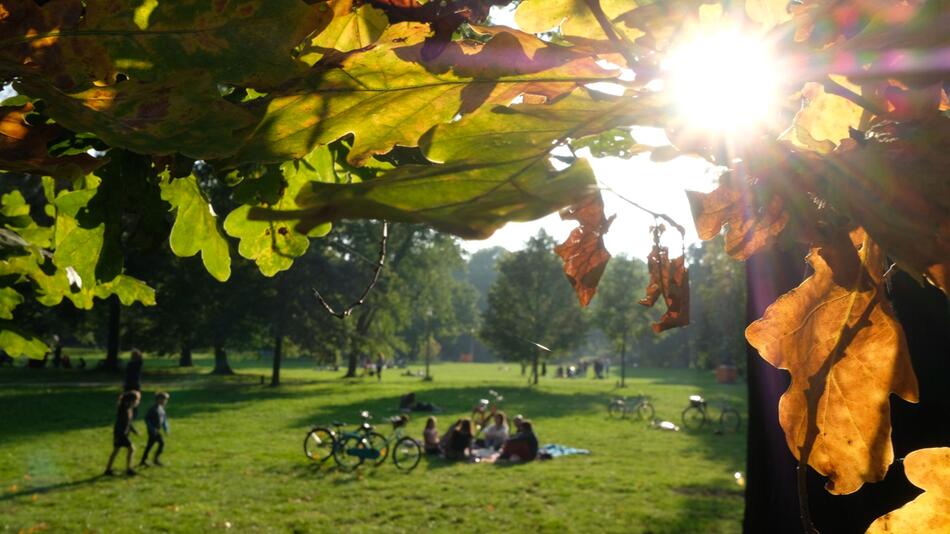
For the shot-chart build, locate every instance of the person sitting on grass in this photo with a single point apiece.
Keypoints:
(128, 401)
(458, 440)
(496, 433)
(523, 446)
(430, 437)
(155, 421)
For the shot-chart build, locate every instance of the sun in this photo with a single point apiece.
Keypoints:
(724, 81)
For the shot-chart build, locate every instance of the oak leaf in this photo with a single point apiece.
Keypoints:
(837, 335)
(23, 147)
(749, 227)
(928, 469)
(669, 279)
(583, 252)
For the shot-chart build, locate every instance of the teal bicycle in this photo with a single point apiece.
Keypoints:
(350, 449)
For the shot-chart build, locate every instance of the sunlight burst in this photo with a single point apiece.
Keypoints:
(725, 81)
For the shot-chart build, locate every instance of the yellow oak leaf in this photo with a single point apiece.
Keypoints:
(837, 335)
(928, 469)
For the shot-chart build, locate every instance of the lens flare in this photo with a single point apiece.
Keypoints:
(724, 81)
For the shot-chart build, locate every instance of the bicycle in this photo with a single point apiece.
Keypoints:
(696, 414)
(350, 449)
(640, 406)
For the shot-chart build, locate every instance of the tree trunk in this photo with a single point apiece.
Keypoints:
(221, 365)
(111, 362)
(184, 359)
(534, 368)
(524, 367)
(623, 361)
(278, 333)
(278, 352)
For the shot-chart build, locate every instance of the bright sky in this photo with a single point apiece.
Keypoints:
(656, 186)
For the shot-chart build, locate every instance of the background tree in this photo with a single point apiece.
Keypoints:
(616, 310)
(532, 301)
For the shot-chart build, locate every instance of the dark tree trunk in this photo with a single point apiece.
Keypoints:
(771, 494)
(111, 362)
(534, 368)
(221, 365)
(524, 367)
(184, 359)
(623, 361)
(278, 353)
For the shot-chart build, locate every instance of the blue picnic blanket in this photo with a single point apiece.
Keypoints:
(555, 450)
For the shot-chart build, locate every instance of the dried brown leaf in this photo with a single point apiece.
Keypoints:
(584, 254)
(671, 280)
(837, 335)
(749, 228)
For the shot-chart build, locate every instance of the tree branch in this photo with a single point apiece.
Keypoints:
(620, 41)
(836, 88)
(680, 228)
(384, 237)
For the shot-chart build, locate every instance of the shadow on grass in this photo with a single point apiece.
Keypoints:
(39, 490)
(70, 409)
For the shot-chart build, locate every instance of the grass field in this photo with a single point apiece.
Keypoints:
(236, 462)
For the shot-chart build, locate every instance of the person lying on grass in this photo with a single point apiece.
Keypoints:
(128, 401)
(523, 446)
(457, 441)
(155, 421)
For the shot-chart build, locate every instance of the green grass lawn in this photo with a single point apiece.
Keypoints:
(236, 459)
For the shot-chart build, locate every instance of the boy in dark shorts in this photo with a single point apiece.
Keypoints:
(155, 421)
(128, 401)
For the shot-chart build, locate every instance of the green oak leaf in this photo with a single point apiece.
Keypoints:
(494, 168)
(273, 245)
(196, 225)
(15, 342)
(389, 95)
(351, 28)
(9, 299)
(573, 17)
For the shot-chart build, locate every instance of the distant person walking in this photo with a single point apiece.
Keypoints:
(156, 420)
(379, 367)
(133, 372)
(128, 401)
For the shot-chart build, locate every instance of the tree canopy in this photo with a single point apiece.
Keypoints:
(267, 122)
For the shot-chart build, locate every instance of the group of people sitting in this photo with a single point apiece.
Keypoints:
(488, 439)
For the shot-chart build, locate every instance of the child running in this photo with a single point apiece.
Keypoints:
(155, 421)
(128, 401)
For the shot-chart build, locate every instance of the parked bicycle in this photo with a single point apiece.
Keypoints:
(639, 407)
(350, 449)
(696, 415)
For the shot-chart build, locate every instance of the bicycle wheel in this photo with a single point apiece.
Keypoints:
(693, 418)
(729, 420)
(348, 452)
(406, 454)
(378, 442)
(318, 445)
(616, 409)
(645, 411)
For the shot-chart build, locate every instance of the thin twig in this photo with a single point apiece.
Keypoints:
(836, 88)
(619, 40)
(383, 239)
(665, 217)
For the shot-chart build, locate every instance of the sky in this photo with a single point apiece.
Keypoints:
(659, 187)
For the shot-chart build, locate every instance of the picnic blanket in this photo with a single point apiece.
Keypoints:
(555, 450)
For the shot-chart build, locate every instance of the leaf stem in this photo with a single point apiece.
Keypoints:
(619, 40)
(836, 88)
(383, 239)
(665, 217)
